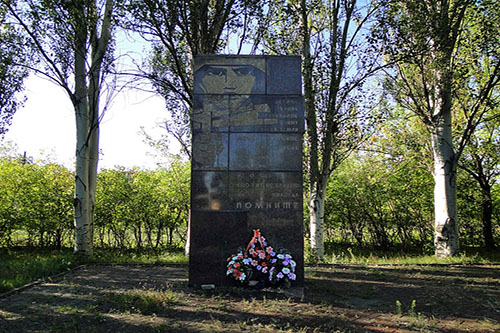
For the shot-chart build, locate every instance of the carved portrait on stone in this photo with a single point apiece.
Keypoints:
(230, 96)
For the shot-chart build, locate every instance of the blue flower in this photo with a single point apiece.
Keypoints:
(273, 254)
(242, 276)
(280, 275)
(253, 246)
(291, 276)
(259, 267)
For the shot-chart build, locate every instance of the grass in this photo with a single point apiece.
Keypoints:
(145, 256)
(21, 266)
(24, 266)
(342, 254)
(144, 302)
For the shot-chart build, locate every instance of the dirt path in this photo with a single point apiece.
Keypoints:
(350, 298)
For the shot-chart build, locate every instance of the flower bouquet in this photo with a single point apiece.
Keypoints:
(237, 267)
(259, 264)
(282, 268)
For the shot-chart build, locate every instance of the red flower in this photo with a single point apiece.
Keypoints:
(237, 274)
(237, 265)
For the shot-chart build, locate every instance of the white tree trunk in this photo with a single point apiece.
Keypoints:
(316, 206)
(86, 102)
(446, 238)
(82, 204)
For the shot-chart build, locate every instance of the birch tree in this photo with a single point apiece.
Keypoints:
(432, 37)
(74, 43)
(337, 62)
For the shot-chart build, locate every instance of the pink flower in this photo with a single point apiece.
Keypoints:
(262, 255)
(254, 262)
(269, 249)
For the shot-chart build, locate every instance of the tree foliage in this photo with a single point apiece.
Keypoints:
(178, 30)
(142, 208)
(135, 208)
(14, 56)
(35, 203)
(337, 62)
(447, 64)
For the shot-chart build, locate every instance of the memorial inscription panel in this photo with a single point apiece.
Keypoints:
(247, 122)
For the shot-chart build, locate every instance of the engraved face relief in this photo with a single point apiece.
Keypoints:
(227, 79)
(227, 95)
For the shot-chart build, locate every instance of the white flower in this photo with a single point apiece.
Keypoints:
(293, 263)
(280, 256)
(285, 270)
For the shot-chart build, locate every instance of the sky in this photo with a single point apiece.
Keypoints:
(45, 127)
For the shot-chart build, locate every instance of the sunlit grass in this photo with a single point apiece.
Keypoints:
(21, 266)
(151, 256)
(363, 256)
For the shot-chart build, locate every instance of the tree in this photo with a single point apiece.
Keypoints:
(481, 160)
(73, 41)
(14, 54)
(431, 39)
(150, 205)
(35, 202)
(337, 62)
(180, 30)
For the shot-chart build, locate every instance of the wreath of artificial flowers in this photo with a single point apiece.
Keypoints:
(259, 260)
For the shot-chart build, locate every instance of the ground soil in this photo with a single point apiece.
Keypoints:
(338, 298)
